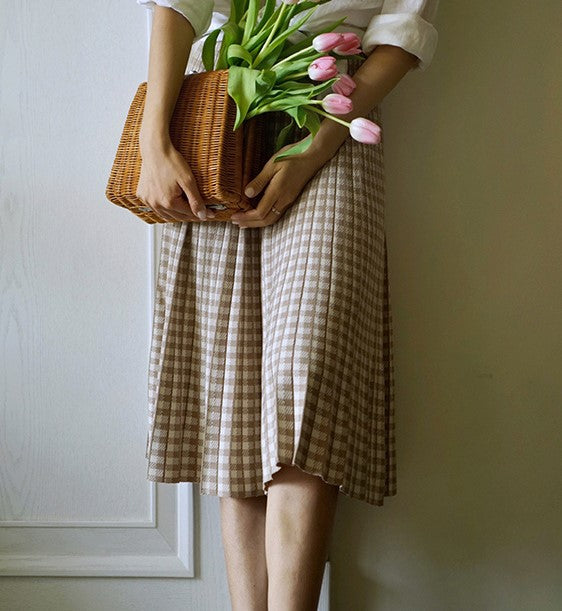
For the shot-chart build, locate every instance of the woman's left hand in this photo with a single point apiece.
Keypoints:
(284, 179)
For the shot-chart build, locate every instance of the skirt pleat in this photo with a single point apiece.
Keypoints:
(273, 345)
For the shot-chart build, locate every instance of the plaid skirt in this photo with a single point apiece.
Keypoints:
(273, 345)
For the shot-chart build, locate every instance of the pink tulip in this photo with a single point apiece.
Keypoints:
(351, 44)
(365, 131)
(337, 104)
(344, 85)
(326, 42)
(323, 68)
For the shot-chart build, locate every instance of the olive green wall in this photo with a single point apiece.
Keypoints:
(474, 222)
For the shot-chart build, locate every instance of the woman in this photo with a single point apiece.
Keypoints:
(271, 377)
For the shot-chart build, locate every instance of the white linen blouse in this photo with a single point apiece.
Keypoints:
(408, 24)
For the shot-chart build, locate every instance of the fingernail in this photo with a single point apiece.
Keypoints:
(202, 214)
(249, 191)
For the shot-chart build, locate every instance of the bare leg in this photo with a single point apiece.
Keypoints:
(299, 522)
(243, 537)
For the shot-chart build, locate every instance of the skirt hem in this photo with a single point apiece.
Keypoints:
(343, 489)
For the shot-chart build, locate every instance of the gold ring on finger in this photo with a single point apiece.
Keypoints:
(275, 210)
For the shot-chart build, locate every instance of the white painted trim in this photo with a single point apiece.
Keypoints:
(324, 600)
(186, 531)
(173, 513)
(93, 566)
(150, 523)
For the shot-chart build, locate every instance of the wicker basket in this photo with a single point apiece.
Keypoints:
(223, 160)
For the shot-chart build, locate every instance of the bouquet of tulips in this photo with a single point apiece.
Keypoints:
(267, 73)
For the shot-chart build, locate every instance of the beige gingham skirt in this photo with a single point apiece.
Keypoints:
(273, 345)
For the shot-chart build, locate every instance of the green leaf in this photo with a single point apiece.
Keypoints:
(291, 86)
(262, 31)
(279, 40)
(271, 59)
(296, 88)
(242, 89)
(265, 82)
(238, 52)
(304, 6)
(232, 35)
(280, 104)
(299, 115)
(268, 10)
(284, 134)
(298, 148)
(257, 40)
(312, 120)
(264, 85)
(292, 67)
(251, 18)
(309, 56)
(264, 27)
(208, 52)
(237, 9)
(325, 86)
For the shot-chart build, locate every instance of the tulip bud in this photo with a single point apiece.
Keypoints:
(365, 131)
(326, 42)
(351, 44)
(323, 68)
(337, 104)
(344, 85)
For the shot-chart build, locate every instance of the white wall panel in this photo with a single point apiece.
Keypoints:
(77, 281)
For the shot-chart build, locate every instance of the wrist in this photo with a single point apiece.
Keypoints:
(328, 140)
(154, 138)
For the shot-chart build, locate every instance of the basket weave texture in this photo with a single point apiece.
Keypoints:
(222, 160)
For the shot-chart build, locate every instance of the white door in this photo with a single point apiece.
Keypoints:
(76, 282)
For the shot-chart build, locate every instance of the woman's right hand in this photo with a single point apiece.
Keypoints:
(167, 184)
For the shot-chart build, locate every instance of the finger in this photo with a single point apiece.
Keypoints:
(160, 211)
(257, 184)
(260, 212)
(194, 198)
(265, 216)
(169, 213)
(270, 218)
(269, 197)
(180, 206)
(180, 215)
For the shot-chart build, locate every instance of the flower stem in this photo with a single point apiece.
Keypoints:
(305, 50)
(293, 76)
(271, 34)
(326, 114)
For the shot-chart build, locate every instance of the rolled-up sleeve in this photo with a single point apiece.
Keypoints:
(407, 24)
(198, 12)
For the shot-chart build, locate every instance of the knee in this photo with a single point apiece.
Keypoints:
(295, 479)
(291, 474)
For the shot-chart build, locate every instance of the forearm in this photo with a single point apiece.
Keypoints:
(170, 44)
(381, 71)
